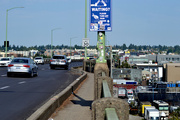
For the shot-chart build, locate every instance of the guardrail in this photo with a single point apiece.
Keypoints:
(105, 106)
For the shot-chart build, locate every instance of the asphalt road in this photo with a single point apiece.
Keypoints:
(21, 96)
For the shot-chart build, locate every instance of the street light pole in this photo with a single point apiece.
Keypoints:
(52, 38)
(70, 44)
(7, 26)
(85, 27)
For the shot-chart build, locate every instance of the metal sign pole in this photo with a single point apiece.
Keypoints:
(101, 47)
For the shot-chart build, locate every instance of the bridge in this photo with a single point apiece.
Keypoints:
(88, 100)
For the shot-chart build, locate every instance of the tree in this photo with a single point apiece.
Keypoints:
(124, 47)
(125, 64)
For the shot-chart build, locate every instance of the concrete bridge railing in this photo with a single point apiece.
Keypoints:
(105, 106)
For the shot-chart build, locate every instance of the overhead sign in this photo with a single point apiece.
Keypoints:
(85, 42)
(100, 15)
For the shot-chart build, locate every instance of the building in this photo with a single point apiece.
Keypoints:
(146, 75)
(2, 54)
(155, 69)
(160, 59)
(172, 72)
(127, 73)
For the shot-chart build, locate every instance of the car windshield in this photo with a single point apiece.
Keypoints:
(58, 57)
(37, 58)
(4, 59)
(20, 61)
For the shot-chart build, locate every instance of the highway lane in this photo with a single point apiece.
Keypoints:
(21, 96)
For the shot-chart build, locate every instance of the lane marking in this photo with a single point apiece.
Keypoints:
(4, 75)
(4, 87)
(22, 82)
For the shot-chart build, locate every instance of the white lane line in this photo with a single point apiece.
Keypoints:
(4, 87)
(4, 75)
(22, 82)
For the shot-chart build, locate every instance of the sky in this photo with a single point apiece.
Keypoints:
(138, 22)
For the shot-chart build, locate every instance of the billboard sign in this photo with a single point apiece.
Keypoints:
(100, 15)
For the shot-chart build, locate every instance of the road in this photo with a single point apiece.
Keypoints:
(21, 96)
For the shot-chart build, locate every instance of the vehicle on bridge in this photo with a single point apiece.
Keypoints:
(39, 60)
(59, 61)
(22, 66)
(5, 61)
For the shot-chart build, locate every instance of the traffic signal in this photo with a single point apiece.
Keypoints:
(5, 43)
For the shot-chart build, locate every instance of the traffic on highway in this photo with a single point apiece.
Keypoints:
(22, 95)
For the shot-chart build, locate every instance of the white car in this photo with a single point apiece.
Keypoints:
(39, 60)
(59, 61)
(5, 61)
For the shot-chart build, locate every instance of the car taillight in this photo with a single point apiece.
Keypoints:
(10, 65)
(52, 60)
(64, 61)
(26, 66)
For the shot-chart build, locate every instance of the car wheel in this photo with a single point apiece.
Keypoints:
(32, 73)
(66, 68)
(8, 74)
(37, 73)
(52, 67)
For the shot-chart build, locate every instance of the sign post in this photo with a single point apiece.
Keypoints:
(100, 21)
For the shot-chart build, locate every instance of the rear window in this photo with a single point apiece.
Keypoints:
(20, 61)
(4, 59)
(58, 57)
(37, 58)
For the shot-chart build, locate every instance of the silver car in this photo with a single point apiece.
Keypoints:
(22, 66)
(59, 61)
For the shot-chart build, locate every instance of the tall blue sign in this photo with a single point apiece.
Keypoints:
(100, 15)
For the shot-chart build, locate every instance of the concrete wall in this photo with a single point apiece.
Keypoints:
(172, 72)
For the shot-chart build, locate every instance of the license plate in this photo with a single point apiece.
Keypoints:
(17, 67)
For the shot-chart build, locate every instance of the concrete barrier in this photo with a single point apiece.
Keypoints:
(105, 106)
(45, 111)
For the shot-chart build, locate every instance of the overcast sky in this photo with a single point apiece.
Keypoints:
(139, 22)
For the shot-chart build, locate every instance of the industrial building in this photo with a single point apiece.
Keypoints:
(172, 71)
